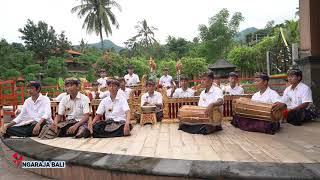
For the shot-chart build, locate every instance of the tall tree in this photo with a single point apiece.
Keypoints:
(145, 34)
(39, 38)
(178, 46)
(292, 33)
(62, 43)
(98, 16)
(218, 37)
(144, 43)
(83, 46)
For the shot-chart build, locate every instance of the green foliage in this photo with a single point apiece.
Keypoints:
(192, 67)
(90, 57)
(249, 59)
(62, 43)
(244, 58)
(262, 47)
(61, 82)
(83, 46)
(145, 35)
(140, 66)
(30, 77)
(115, 66)
(48, 81)
(171, 64)
(90, 75)
(56, 67)
(14, 58)
(143, 44)
(291, 31)
(178, 47)
(218, 36)
(11, 74)
(39, 38)
(34, 68)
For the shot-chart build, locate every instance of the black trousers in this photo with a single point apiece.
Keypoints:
(22, 131)
(199, 128)
(63, 131)
(99, 132)
(299, 116)
(159, 116)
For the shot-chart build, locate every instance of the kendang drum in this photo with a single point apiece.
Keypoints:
(193, 119)
(254, 116)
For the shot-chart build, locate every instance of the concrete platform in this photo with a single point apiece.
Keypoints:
(163, 152)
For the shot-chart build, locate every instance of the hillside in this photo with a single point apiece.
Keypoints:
(241, 36)
(107, 44)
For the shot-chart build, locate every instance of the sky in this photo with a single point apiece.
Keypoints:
(179, 18)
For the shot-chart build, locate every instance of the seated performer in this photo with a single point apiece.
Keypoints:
(107, 92)
(297, 97)
(103, 79)
(184, 91)
(209, 98)
(254, 115)
(131, 78)
(153, 97)
(123, 88)
(61, 95)
(265, 94)
(232, 88)
(75, 108)
(117, 115)
(35, 113)
(166, 79)
(217, 82)
(95, 90)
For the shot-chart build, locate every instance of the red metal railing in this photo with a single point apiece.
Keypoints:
(8, 97)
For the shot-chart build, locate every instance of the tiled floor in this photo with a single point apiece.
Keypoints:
(292, 144)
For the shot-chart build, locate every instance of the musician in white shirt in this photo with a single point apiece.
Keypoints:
(297, 98)
(232, 88)
(265, 94)
(75, 108)
(61, 95)
(131, 78)
(95, 90)
(184, 91)
(103, 79)
(166, 79)
(209, 98)
(35, 113)
(217, 82)
(153, 97)
(212, 96)
(117, 114)
(124, 89)
(106, 93)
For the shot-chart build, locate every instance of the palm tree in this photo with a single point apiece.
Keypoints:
(292, 33)
(98, 16)
(145, 33)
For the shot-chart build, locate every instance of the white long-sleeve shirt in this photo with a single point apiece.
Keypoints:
(297, 96)
(35, 111)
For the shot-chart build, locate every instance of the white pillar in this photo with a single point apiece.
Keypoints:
(295, 53)
(268, 63)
